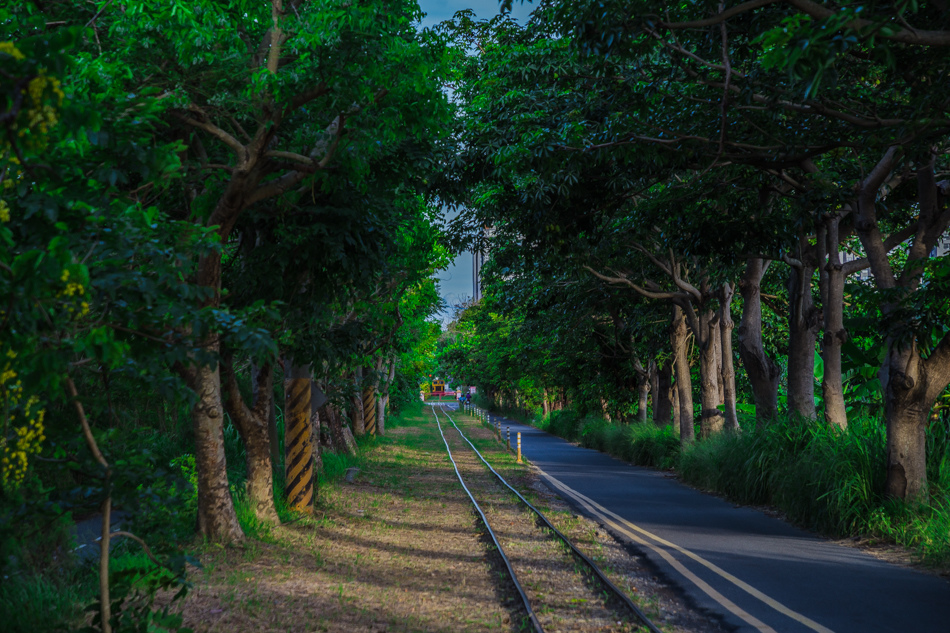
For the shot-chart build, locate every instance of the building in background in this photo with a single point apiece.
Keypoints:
(478, 260)
(941, 248)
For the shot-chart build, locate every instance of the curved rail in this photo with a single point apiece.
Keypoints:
(511, 572)
(591, 564)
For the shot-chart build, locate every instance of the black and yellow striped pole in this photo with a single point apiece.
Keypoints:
(298, 444)
(369, 409)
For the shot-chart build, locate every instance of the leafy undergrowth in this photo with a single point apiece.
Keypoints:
(820, 478)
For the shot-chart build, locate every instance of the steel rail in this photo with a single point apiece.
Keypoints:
(511, 572)
(619, 593)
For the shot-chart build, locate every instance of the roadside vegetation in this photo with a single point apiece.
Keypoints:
(718, 240)
(819, 477)
(220, 224)
(209, 235)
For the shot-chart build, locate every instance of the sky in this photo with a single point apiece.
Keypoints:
(456, 282)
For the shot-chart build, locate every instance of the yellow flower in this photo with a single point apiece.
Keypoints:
(10, 49)
(4, 211)
(7, 375)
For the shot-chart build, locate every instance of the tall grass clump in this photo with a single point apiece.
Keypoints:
(564, 423)
(822, 478)
(33, 602)
(828, 480)
(641, 444)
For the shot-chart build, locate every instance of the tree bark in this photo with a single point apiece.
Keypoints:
(711, 418)
(679, 335)
(662, 394)
(217, 520)
(390, 370)
(356, 404)
(912, 385)
(726, 326)
(317, 400)
(763, 372)
(273, 437)
(337, 429)
(643, 396)
(832, 384)
(716, 342)
(252, 426)
(676, 403)
(803, 323)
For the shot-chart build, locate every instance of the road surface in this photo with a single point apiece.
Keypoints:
(754, 572)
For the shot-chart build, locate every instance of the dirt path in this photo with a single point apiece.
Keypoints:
(398, 550)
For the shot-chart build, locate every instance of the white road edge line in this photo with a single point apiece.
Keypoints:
(604, 514)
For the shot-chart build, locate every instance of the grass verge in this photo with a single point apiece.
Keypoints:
(821, 478)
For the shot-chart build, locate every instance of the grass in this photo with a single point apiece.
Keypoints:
(821, 478)
(33, 602)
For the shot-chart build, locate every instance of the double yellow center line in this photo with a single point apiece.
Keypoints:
(661, 547)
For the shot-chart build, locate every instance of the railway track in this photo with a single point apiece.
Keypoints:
(558, 586)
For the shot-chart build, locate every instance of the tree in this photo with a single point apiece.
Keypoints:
(243, 84)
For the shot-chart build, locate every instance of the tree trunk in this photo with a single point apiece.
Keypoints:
(298, 445)
(349, 441)
(663, 395)
(679, 336)
(272, 436)
(676, 402)
(911, 387)
(356, 404)
(716, 341)
(803, 322)
(832, 384)
(337, 429)
(644, 392)
(217, 520)
(384, 395)
(711, 418)
(317, 400)
(726, 326)
(763, 372)
(252, 426)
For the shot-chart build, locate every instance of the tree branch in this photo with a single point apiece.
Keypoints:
(719, 17)
(240, 151)
(905, 36)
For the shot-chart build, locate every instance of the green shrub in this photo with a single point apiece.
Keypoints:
(828, 480)
(30, 603)
(564, 423)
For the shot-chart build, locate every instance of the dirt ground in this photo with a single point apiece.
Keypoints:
(400, 549)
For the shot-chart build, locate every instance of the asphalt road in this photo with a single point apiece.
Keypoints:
(754, 572)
